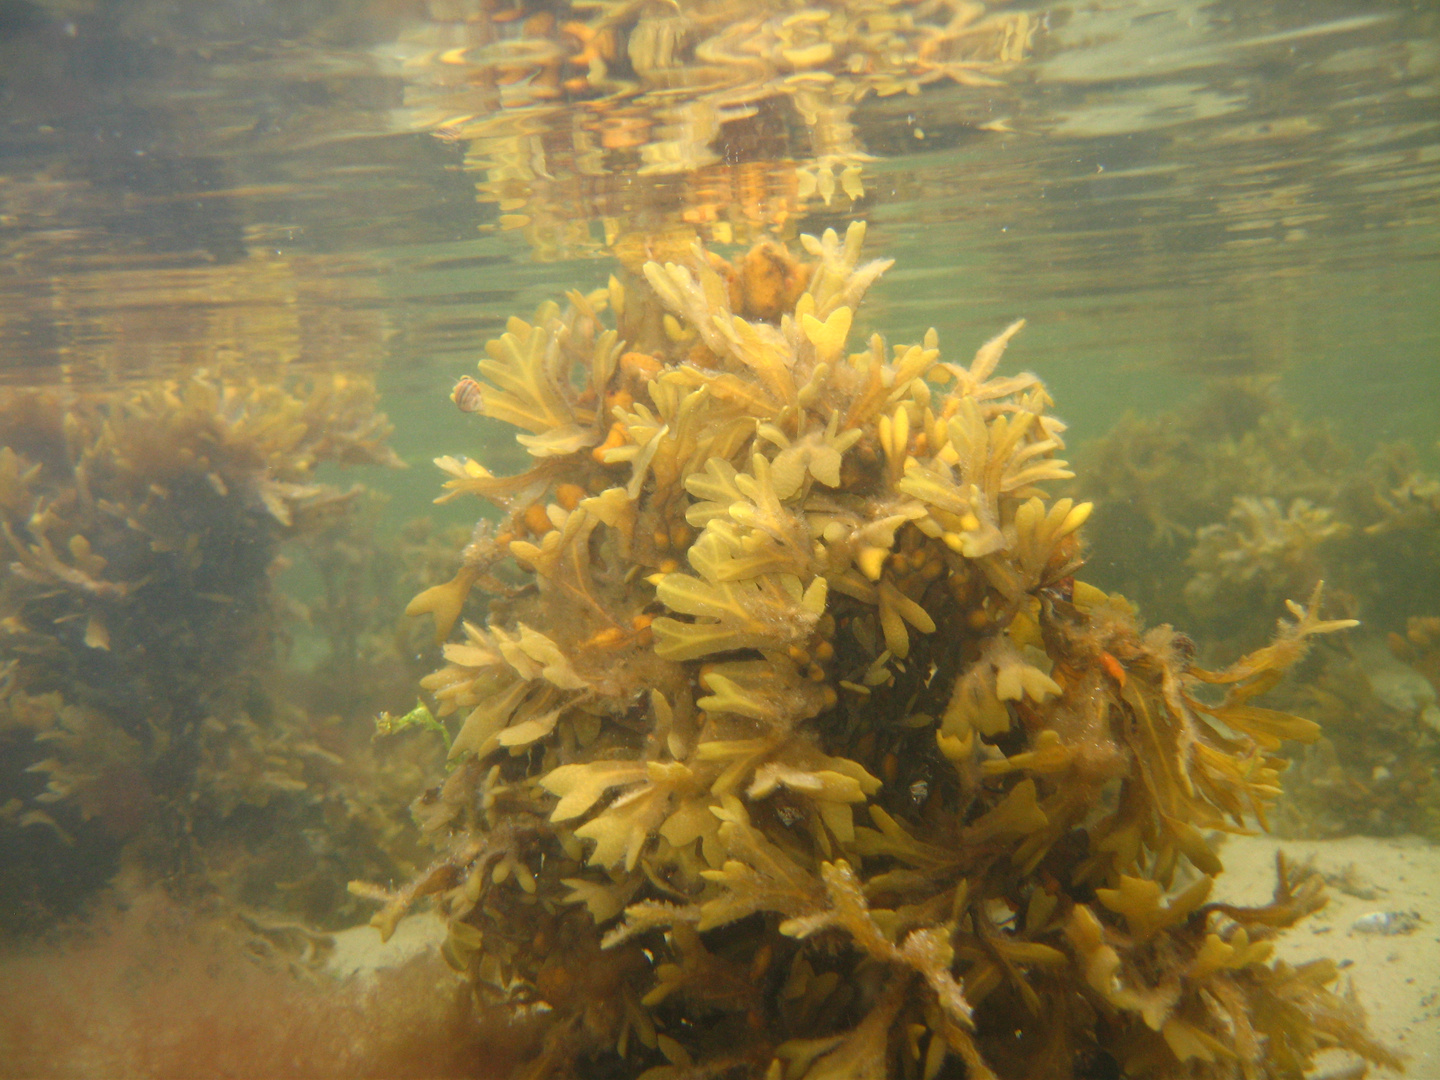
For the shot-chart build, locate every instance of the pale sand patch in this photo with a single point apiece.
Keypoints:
(1397, 976)
(359, 951)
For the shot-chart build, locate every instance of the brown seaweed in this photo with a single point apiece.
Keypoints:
(1218, 511)
(143, 527)
(800, 752)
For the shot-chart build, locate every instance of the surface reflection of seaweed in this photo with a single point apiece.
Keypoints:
(725, 115)
(798, 751)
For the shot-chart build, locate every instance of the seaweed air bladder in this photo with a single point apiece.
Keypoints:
(786, 742)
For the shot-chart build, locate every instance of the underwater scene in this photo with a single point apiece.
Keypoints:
(711, 539)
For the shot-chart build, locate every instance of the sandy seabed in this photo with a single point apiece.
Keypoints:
(1375, 885)
(153, 990)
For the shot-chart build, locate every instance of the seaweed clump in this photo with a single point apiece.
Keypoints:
(140, 711)
(790, 746)
(1219, 510)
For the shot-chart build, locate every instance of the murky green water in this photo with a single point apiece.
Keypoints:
(1175, 191)
(1237, 199)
